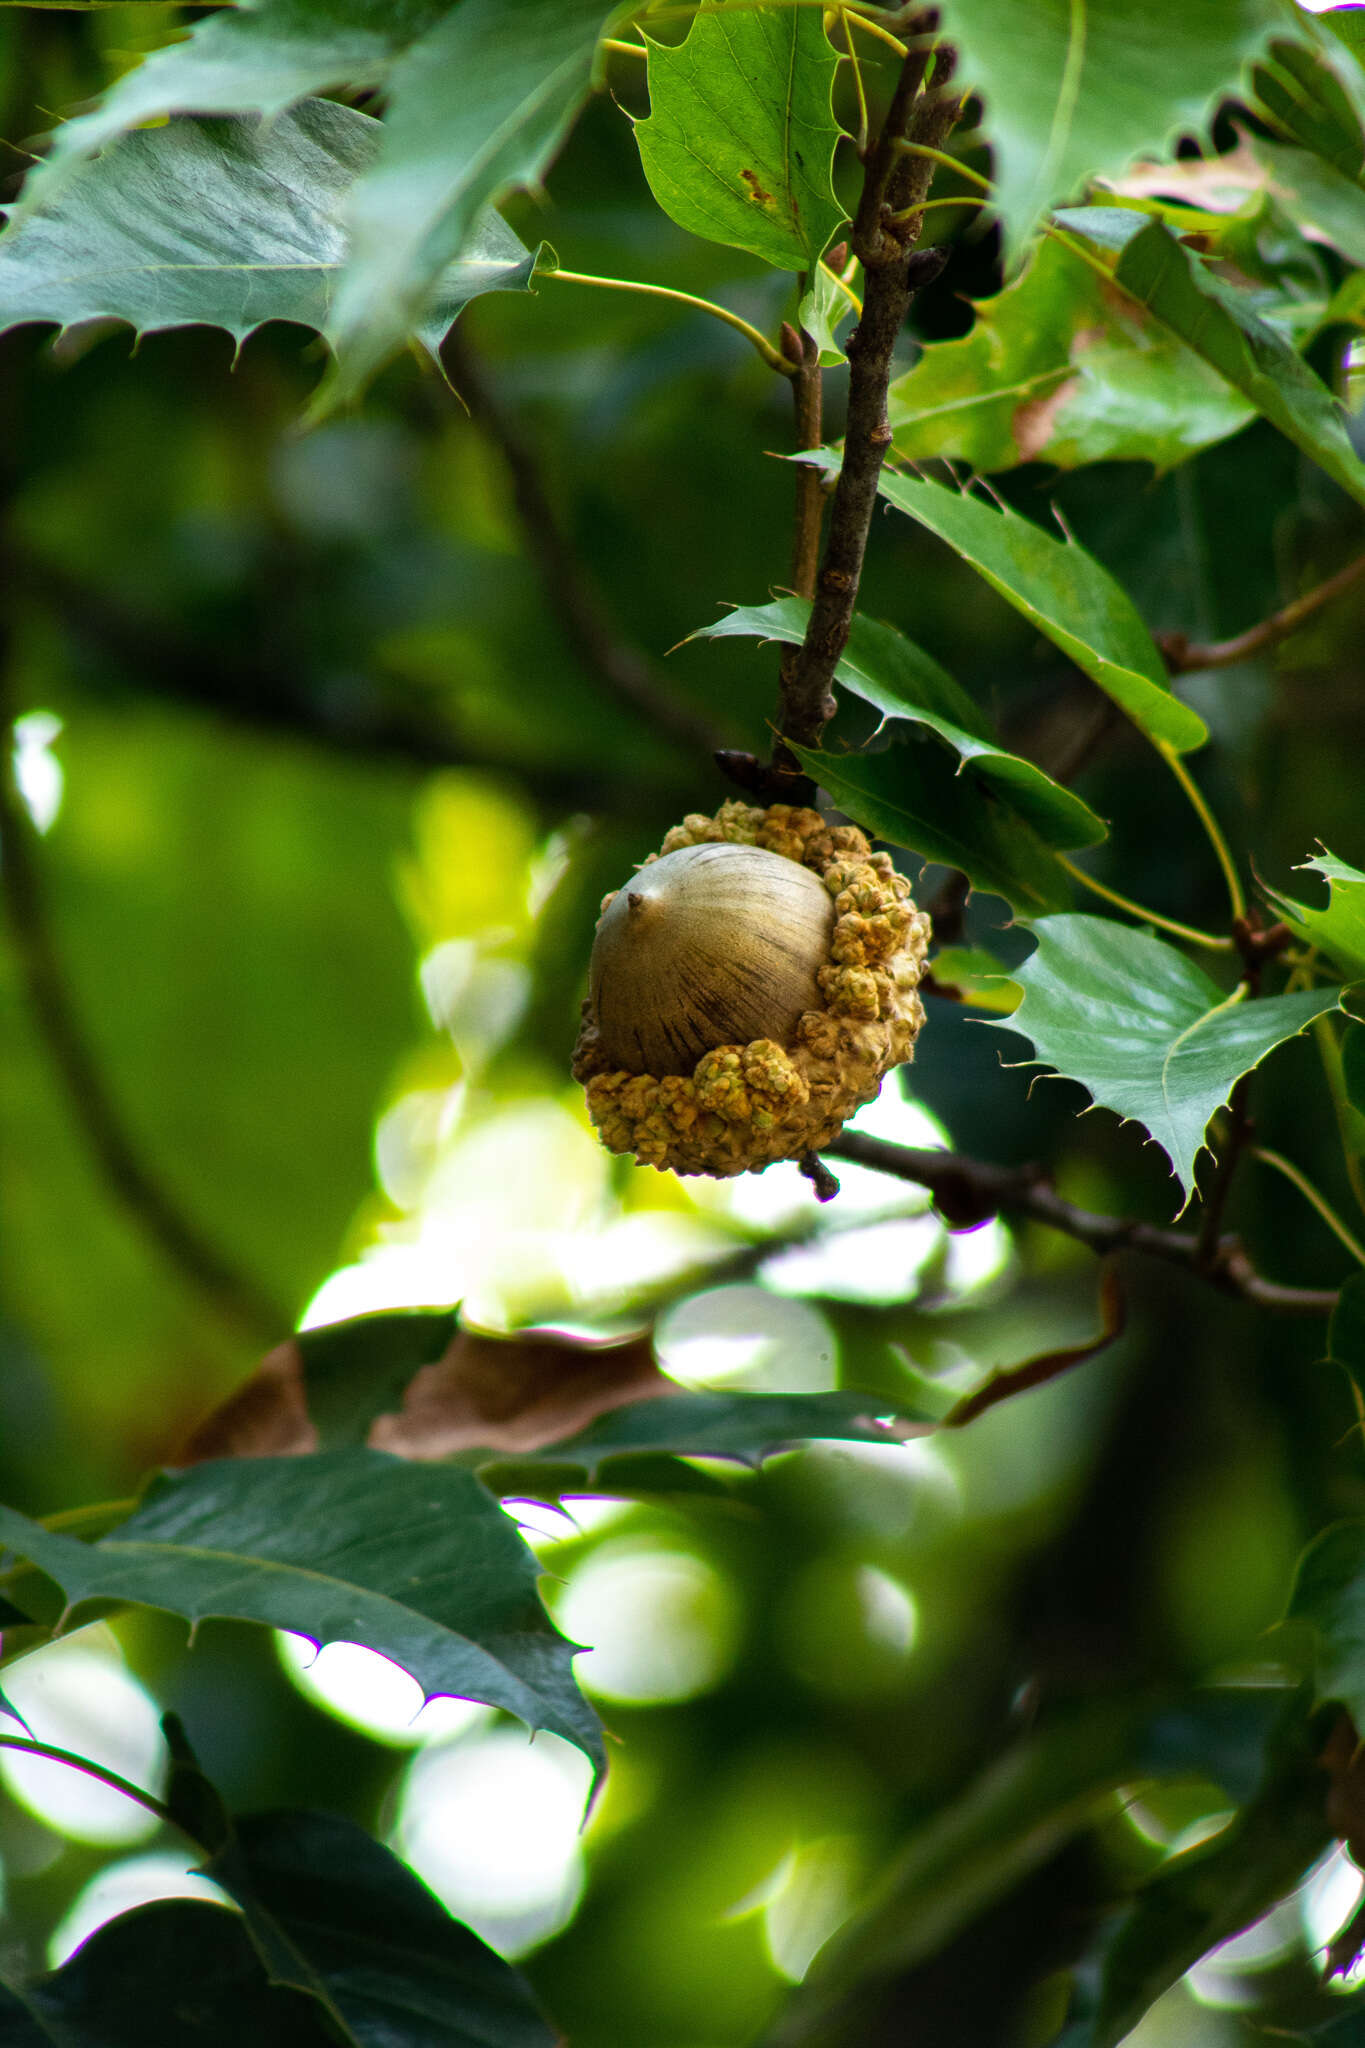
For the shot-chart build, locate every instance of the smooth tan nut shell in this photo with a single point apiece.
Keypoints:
(712, 945)
(744, 1105)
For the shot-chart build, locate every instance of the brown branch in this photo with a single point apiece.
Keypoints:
(970, 1191)
(884, 237)
(630, 678)
(107, 1140)
(1183, 656)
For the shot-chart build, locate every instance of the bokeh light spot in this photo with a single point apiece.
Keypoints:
(492, 1824)
(662, 1624)
(77, 1694)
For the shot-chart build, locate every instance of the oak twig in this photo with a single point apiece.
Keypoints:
(1183, 657)
(884, 236)
(235, 1297)
(626, 672)
(967, 1192)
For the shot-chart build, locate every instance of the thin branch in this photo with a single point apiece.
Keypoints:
(626, 672)
(970, 1191)
(893, 270)
(1183, 656)
(28, 1746)
(99, 1122)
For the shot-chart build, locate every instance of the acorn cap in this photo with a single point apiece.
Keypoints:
(812, 1024)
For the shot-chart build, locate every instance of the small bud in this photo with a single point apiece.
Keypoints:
(838, 256)
(791, 344)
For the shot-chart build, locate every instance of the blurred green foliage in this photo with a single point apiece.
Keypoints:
(338, 804)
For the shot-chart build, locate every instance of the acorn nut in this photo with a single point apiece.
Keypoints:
(712, 945)
(749, 988)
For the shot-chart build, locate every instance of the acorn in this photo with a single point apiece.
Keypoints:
(748, 990)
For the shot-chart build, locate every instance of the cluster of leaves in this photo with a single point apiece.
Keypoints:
(1186, 298)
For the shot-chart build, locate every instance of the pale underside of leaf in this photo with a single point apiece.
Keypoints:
(226, 222)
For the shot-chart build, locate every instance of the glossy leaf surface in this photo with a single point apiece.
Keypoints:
(1339, 930)
(1065, 593)
(439, 1580)
(480, 104)
(1071, 91)
(748, 1427)
(224, 223)
(740, 135)
(907, 685)
(1218, 322)
(1057, 369)
(913, 796)
(1146, 1030)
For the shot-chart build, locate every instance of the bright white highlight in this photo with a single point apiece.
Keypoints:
(38, 774)
(663, 1625)
(743, 1336)
(816, 1890)
(77, 1695)
(119, 1887)
(492, 1824)
(373, 1694)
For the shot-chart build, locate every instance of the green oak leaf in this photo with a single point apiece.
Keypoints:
(1329, 1595)
(506, 85)
(1217, 321)
(439, 1580)
(1074, 91)
(914, 796)
(740, 136)
(480, 106)
(1145, 1030)
(1063, 591)
(822, 312)
(1213, 1891)
(224, 223)
(1307, 93)
(1339, 929)
(336, 1915)
(134, 1980)
(904, 683)
(1057, 368)
(747, 1427)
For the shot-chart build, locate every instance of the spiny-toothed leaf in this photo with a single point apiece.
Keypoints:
(1339, 930)
(223, 223)
(1213, 1891)
(907, 685)
(1301, 91)
(1071, 92)
(740, 136)
(1062, 590)
(176, 1971)
(1145, 1030)
(824, 309)
(336, 1915)
(747, 1427)
(1329, 1596)
(1217, 321)
(479, 107)
(1057, 368)
(416, 1561)
(913, 796)
(241, 60)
